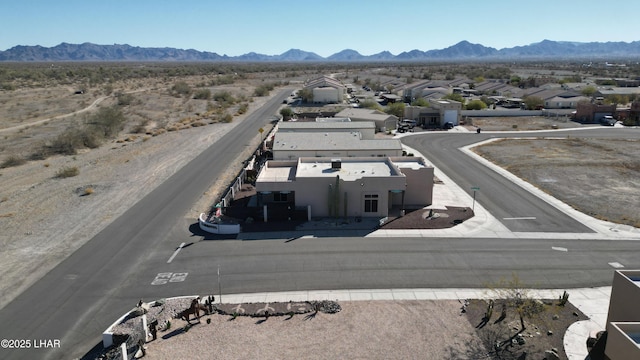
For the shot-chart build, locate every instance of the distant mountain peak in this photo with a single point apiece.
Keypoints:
(545, 49)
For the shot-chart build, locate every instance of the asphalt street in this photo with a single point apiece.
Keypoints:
(139, 256)
(517, 209)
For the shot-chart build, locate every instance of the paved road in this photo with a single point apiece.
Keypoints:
(517, 209)
(384, 263)
(129, 260)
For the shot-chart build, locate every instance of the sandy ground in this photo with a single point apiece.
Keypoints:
(362, 330)
(44, 219)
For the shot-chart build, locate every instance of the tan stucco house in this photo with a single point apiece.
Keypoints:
(352, 187)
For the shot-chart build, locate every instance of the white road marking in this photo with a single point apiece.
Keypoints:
(559, 248)
(520, 218)
(175, 253)
(163, 278)
(178, 277)
(616, 265)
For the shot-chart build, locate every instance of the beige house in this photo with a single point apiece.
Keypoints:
(353, 187)
(384, 122)
(326, 90)
(623, 321)
(439, 112)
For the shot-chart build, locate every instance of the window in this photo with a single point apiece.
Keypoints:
(371, 203)
(279, 197)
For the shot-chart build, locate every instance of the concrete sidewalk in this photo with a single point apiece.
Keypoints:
(593, 302)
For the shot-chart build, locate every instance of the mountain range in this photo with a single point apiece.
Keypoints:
(464, 50)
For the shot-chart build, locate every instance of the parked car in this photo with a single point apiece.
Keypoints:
(410, 123)
(448, 125)
(608, 120)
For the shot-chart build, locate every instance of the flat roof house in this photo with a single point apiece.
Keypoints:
(367, 129)
(352, 187)
(292, 145)
(383, 121)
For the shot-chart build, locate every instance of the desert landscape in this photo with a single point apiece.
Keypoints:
(51, 202)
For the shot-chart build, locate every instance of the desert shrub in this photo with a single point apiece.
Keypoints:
(181, 88)
(226, 118)
(66, 172)
(90, 139)
(65, 144)
(202, 94)
(124, 99)
(263, 90)
(141, 127)
(224, 98)
(107, 121)
(12, 160)
(243, 108)
(476, 105)
(287, 113)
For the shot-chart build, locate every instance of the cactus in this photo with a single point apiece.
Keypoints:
(564, 298)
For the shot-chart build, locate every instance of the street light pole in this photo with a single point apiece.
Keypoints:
(473, 206)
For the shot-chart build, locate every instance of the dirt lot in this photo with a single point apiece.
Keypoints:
(520, 123)
(595, 176)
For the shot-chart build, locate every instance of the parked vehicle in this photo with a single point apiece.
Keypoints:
(448, 125)
(410, 123)
(608, 120)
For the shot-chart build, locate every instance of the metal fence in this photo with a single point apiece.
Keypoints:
(227, 198)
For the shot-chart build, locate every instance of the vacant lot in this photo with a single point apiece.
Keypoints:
(521, 123)
(598, 177)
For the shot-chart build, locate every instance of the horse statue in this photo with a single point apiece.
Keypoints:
(194, 310)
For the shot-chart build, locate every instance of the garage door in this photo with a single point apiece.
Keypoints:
(451, 116)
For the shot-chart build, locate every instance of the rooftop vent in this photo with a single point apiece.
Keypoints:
(336, 164)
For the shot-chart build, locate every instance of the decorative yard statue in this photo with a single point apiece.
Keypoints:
(194, 310)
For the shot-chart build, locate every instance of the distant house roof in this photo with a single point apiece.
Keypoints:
(300, 141)
(324, 81)
(563, 99)
(619, 91)
(366, 114)
(341, 126)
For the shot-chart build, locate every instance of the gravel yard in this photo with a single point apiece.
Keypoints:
(362, 330)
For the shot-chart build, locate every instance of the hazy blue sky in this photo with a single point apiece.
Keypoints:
(235, 27)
